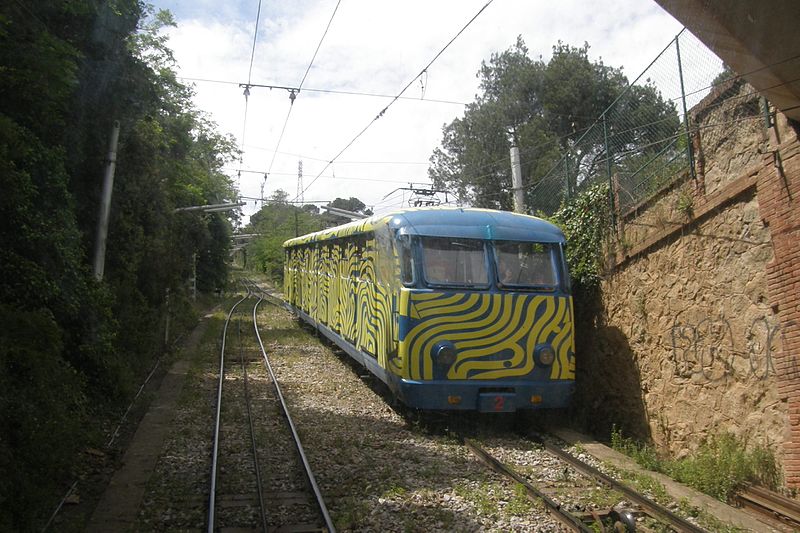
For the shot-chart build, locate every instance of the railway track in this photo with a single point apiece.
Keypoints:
(606, 519)
(620, 519)
(381, 468)
(770, 505)
(262, 481)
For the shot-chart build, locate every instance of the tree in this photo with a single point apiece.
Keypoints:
(545, 108)
(72, 347)
(352, 204)
(277, 221)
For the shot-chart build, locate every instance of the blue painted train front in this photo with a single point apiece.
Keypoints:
(464, 309)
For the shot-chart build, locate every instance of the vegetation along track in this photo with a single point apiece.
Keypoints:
(260, 477)
(565, 497)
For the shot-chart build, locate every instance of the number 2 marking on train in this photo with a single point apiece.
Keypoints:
(499, 402)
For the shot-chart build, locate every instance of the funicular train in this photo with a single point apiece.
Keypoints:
(454, 309)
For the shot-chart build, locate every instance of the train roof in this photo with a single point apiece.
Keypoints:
(470, 223)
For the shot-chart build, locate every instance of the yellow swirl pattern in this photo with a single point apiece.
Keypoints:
(495, 334)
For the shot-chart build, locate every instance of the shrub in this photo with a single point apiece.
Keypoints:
(42, 413)
(720, 467)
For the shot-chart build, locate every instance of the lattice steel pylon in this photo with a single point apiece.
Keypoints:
(299, 198)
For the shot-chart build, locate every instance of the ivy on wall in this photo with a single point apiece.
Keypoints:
(586, 220)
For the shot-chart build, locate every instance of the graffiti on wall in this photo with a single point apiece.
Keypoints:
(707, 351)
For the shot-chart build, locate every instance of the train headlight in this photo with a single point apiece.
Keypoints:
(545, 354)
(444, 354)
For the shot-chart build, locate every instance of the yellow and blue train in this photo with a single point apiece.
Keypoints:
(452, 308)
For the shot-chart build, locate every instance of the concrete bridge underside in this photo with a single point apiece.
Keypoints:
(758, 40)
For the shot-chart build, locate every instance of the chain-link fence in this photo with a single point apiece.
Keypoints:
(643, 141)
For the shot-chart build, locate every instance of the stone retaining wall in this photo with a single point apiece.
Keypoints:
(700, 317)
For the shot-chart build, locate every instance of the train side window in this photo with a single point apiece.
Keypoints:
(406, 255)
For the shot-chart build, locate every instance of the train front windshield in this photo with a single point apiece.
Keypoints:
(454, 262)
(517, 265)
(526, 265)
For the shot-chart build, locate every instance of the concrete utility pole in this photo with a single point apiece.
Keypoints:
(516, 180)
(105, 205)
(299, 197)
(166, 321)
(194, 277)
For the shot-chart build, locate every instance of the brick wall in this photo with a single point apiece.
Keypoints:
(778, 196)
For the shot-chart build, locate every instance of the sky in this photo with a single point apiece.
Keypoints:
(376, 47)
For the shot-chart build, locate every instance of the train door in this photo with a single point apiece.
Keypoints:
(324, 282)
(360, 297)
(314, 274)
(297, 263)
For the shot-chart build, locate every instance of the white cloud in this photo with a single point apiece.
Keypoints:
(378, 46)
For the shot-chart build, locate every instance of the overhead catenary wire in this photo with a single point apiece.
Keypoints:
(345, 162)
(249, 76)
(454, 102)
(550, 142)
(293, 93)
(318, 46)
(545, 144)
(325, 91)
(397, 97)
(330, 176)
(255, 40)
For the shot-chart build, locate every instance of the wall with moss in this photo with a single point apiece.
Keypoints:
(687, 339)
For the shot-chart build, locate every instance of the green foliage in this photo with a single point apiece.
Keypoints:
(684, 204)
(644, 455)
(585, 221)
(41, 408)
(351, 204)
(519, 504)
(726, 74)
(72, 347)
(721, 466)
(277, 222)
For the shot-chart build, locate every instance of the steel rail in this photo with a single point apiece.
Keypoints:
(306, 466)
(215, 452)
(274, 300)
(554, 508)
(770, 504)
(256, 466)
(654, 509)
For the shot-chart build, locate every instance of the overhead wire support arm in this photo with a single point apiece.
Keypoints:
(400, 94)
(248, 86)
(325, 91)
(210, 207)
